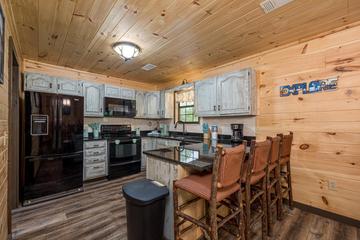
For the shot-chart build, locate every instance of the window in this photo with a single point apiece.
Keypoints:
(186, 112)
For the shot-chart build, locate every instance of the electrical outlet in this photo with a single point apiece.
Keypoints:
(332, 185)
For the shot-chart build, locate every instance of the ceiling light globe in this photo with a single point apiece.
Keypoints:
(127, 50)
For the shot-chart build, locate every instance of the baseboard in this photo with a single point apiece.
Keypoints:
(327, 214)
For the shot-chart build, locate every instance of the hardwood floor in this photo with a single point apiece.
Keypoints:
(99, 213)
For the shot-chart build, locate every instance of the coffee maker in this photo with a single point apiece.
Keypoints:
(237, 132)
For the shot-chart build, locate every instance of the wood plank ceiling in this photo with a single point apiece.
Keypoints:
(181, 37)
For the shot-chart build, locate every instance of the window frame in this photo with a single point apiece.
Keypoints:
(184, 107)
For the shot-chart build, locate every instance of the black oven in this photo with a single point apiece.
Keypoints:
(124, 150)
(124, 157)
(116, 107)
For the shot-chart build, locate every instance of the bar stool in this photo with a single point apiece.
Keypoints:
(273, 188)
(285, 151)
(216, 189)
(254, 180)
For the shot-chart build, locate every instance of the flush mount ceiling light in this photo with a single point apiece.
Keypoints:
(126, 50)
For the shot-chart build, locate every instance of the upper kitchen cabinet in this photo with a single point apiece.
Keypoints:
(152, 104)
(140, 104)
(40, 83)
(234, 93)
(44, 83)
(228, 94)
(69, 87)
(94, 99)
(205, 97)
(127, 93)
(111, 91)
(118, 92)
(167, 104)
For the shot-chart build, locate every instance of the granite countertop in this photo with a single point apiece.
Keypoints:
(198, 156)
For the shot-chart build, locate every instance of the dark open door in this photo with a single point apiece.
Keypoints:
(14, 133)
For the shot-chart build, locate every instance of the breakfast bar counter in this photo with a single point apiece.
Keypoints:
(169, 164)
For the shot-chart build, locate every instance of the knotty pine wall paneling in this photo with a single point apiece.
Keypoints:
(326, 125)
(4, 108)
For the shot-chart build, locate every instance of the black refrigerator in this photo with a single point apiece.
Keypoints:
(53, 162)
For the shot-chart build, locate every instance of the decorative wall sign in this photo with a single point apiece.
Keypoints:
(316, 86)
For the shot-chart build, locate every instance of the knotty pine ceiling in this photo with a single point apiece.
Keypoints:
(181, 37)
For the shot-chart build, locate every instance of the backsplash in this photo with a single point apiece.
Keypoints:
(143, 124)
(222, 122)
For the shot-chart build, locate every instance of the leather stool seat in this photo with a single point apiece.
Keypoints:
(201, 186)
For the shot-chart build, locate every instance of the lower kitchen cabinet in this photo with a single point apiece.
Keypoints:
(95, 159)
(152, 143)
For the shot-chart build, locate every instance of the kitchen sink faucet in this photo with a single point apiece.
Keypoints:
(181, 122)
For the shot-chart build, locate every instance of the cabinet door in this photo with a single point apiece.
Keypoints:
(94, 100)
(140, 104)
(127, 93)
(69, 87)
(152, 101)
(169, 104)
(111, 91)
(40, 83)
(233, 93)
(205, 97)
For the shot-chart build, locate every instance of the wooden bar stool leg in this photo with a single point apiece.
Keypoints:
(279, 206)
(264, 209)
(240, 216)
(247, 211)
(213, 221)
(269, 212)
(291, 203)
(176, 208)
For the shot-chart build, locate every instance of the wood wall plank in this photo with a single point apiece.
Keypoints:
(326, 125)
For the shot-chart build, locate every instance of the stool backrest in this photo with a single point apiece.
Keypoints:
(230, 165)
(259, 156)
(285, 148)
(275, 149)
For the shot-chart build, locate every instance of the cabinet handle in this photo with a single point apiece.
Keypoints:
(218, 107)
(58, 86)
(214, 108)
(50, 85)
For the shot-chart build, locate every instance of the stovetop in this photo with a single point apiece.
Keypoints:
(116, 131)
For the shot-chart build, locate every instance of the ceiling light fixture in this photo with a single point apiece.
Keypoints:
(126, 50)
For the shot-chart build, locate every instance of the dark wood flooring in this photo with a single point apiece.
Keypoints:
(99, 213)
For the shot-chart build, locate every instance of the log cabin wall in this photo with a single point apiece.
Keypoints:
(326, 125)
(4, 127)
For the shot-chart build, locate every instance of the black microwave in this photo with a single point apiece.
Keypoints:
(116, 107)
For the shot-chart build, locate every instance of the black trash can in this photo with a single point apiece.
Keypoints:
(145, 209)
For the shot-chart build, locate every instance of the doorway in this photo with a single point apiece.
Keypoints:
(14, 133)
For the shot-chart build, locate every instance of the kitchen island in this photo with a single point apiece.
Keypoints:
(169, 164)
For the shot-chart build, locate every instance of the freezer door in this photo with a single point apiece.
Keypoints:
(71, 124)
(52, 175)
(40, 124)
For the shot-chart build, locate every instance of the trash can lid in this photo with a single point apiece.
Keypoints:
(144, 191)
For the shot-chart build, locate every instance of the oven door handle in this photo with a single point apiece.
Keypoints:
(125, 141)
